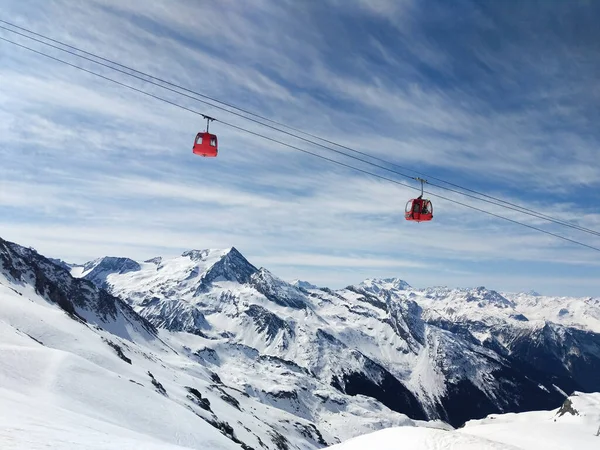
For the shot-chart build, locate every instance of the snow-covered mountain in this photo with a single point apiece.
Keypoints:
(79, 367)
(419, 352)
(271, 364)
(303, 284)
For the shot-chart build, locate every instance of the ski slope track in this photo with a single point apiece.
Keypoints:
(207, 351)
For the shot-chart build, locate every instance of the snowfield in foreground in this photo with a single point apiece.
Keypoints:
(573, 426)
(576, 425)
(420, 439)
(206, 351)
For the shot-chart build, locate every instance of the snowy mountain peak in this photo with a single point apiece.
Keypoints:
(303, 284)
(230, 266)
(98, 270)
(203, 255)
(533, 293)
(483, 295)
(376, 285)
(157, 260)
(277, 290)
(113, 264)
(80, 299)
(314, 367)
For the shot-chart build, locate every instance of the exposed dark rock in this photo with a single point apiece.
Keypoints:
(367, 297)
(290, 395)
(567, 408)
(291, 365)
(563, 352)
(159, 387)
(277, 291)
(34, 339)
(280, 442)
(310, 431)
(268, 322)
(73, 295)
(519, 393)
(321, 334)
(231, 267)
(389, 391)
(197, 398)
(228, 431)
(226, 397)
(175, 315)
(209, 355)
(117, 349)
(519, 317)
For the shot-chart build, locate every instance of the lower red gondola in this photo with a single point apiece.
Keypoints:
(206, 145)
(419, 210)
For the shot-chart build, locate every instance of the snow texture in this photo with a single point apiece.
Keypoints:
(206, 351)
(573, 426)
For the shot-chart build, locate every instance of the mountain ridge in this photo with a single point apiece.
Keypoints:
(259, 308)
(316, 347)
(174, 386)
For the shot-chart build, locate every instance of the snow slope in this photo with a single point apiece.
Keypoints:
(28, 424)
(56, 372)
(69, 376)
(420, 439)
(576, 425)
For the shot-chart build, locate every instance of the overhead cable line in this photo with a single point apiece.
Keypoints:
(295, 147)
(493, 200)
(519, 208)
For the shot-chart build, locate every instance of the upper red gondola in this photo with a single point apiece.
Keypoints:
(205, 143)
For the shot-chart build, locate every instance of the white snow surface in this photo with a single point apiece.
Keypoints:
(265, 364)
(537, 430)
(547, 430)
(73, 383)
(303, 284)
(420, 439)
(63, 385)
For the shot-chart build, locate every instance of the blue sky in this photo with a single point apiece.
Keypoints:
(500, 97)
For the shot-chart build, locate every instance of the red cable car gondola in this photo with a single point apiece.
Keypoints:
(419, 209)
(205, 143)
